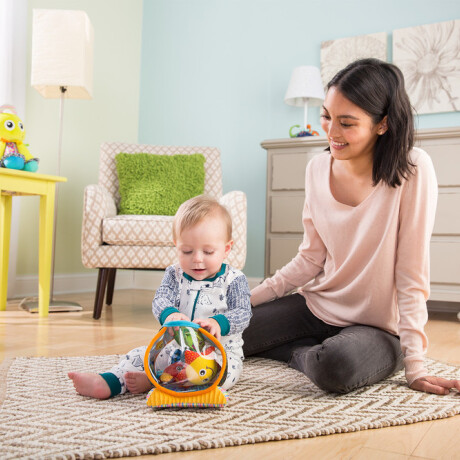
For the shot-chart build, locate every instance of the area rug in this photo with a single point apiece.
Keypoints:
(43, 417)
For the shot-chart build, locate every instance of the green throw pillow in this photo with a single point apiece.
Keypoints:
(158, 184)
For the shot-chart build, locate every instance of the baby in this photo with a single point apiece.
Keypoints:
(200, 288)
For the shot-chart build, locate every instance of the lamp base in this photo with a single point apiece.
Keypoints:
(55, 306)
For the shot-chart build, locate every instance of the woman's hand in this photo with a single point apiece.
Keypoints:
(436, 385)
(211, 325)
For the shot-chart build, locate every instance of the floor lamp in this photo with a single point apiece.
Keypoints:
(62, 67)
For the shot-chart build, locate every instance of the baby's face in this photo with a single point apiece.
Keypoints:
(203, 247)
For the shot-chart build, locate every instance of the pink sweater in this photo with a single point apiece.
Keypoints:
(367, 264)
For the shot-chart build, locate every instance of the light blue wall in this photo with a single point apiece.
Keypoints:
(214, 72)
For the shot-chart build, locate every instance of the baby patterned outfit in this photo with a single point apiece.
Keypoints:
(224, 297)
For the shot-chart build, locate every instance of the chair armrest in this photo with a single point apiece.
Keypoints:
(98, 204)
(236, 204)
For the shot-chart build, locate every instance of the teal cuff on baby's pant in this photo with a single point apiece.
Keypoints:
(113, 383)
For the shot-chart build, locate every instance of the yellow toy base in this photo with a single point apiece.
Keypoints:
(214, 398)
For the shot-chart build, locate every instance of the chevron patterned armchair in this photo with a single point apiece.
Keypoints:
(111, 240)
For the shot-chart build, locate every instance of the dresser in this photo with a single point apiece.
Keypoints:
(286, 163)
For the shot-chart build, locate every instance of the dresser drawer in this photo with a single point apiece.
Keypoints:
(286, 214)
(445, 159)
(282, 251)
(288, 169)
(448, 214)
(445, 262)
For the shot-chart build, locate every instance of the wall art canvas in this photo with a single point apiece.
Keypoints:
(336, 54)
(429, 57)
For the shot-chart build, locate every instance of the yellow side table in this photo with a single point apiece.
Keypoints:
(16, 183)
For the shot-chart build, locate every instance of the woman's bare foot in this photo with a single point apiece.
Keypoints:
(89, 384)
(137, 382)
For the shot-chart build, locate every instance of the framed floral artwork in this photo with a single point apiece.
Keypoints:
(336, 54)
(429, 57)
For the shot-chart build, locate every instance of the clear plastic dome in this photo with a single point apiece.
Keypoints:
(185, 358)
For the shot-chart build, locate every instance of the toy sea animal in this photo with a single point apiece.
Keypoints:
(187, 368)
(173, 372)
(198, 369)
(201, 369)
(13, 152)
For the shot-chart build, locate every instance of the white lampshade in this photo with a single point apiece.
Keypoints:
(62, 53)
(305, 88)
(305, 85)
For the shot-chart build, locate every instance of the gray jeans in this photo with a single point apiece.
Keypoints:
(336, 359)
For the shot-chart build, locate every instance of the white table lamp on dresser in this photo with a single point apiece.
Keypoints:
(305, 88)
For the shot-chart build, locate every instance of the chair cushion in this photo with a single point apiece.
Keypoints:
(158, 184)
(130, 230)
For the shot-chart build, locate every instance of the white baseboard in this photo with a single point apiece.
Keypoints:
(147, 279)
(26, 286)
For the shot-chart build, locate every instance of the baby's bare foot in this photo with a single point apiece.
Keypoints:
(89, 384)
(137, 382)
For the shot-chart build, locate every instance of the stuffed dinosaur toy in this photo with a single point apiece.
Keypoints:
(13, 152)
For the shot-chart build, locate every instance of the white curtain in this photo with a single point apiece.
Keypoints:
(13, 65)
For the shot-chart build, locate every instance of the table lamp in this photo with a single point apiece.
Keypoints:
(62, 67)
(305, 88)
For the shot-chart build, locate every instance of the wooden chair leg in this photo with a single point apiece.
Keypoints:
(100, 291)
(110, 285)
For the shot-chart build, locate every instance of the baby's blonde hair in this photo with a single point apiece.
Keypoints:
(194, 210)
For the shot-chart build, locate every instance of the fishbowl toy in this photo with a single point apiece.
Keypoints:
(186, 364)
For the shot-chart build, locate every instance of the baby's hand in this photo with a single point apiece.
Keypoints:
(175, 317)
(211, 325)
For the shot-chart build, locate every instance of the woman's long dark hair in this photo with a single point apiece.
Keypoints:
(377, 87)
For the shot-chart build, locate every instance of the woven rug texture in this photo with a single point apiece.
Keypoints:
(43, 417)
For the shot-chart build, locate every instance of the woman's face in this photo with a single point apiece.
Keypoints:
(350, 130)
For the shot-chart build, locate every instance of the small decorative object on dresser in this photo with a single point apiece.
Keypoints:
(286, 163)
(302, 133)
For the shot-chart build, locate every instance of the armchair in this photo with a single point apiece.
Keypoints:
(111, 241)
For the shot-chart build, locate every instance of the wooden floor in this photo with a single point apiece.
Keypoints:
(129, 323)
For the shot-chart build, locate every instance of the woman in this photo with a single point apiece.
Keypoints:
(363, 267)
